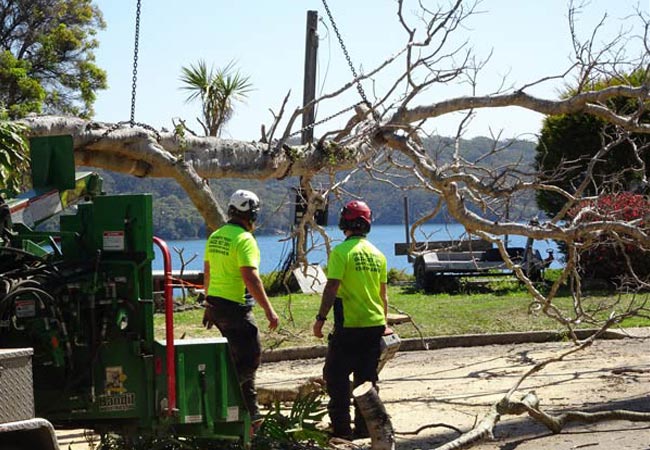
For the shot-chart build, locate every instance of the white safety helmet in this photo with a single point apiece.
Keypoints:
(244, 203)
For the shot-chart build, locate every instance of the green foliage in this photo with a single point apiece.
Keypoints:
(293, 431)
(505, 285)
(268, 279)
(176, 217)
(21, 94)
(14, 158)
(396, 276)
(275, 284)
(217, 91)
(47, 62)
(386, 201)
(576, 138)
(280, 431)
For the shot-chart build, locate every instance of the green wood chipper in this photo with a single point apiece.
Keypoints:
(79, 294)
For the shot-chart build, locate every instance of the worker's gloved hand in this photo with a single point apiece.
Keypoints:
(207, 318)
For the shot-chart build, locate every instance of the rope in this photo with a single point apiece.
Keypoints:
(182, 282)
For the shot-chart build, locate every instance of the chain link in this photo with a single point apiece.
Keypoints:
(314, 124)
(135, 61)
(117, 125)
(362, 93)
(133, 123)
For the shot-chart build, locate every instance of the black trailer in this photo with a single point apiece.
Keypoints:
(439, 265)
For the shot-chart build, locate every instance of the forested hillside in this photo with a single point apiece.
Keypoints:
(176, 218)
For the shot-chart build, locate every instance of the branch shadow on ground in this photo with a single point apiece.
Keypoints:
(513, 431)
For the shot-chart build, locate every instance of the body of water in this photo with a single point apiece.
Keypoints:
(274, 249)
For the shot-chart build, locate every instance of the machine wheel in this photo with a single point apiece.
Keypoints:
(423, 280)
(534, 267)
(435, 283)
(447, 283)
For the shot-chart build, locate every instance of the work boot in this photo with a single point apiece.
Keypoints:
(250, 398)
(360, 430)
(360, 434)
(342, 431)
(360, 427)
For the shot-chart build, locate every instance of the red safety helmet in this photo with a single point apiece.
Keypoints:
(356, 216)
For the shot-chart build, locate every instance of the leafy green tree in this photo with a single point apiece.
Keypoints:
(14, 162)
(217, 90)
(47, 60)
(569, 141)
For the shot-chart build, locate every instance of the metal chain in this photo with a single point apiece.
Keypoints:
(362, 93)
(117, 125)
(135, 62)
(148, 127)
(314, 124)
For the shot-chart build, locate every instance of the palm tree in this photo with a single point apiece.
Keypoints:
(217, 90)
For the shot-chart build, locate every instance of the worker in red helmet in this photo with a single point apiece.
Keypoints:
(232, 285)
(356, 289)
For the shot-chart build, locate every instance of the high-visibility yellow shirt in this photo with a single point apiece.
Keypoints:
(228, 249)
(361, 269)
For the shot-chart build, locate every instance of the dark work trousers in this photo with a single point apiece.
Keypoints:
(237, 324)
(350, 351)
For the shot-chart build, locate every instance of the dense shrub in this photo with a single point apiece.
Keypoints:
(568, 142)
(396, 276)
(604, 257)
(275, 283)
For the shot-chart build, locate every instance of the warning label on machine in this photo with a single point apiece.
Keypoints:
(113, 241)
(25, 308)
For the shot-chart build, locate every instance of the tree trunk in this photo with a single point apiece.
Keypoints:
(382, 435)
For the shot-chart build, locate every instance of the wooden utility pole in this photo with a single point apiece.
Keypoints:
(309, 83)
(308, 96)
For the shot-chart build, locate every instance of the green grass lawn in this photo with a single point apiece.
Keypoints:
(503, 310)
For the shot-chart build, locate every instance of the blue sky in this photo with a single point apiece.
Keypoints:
(529, 39)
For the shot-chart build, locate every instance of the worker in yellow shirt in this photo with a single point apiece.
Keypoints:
(356, 289)
(233, 284)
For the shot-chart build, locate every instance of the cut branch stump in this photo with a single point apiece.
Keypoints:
(382, 435)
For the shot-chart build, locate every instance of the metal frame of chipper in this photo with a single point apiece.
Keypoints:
(82, 298)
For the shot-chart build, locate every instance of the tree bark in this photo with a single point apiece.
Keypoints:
(191, 161)
(482, 431)
(210, 157)
(382, 435)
